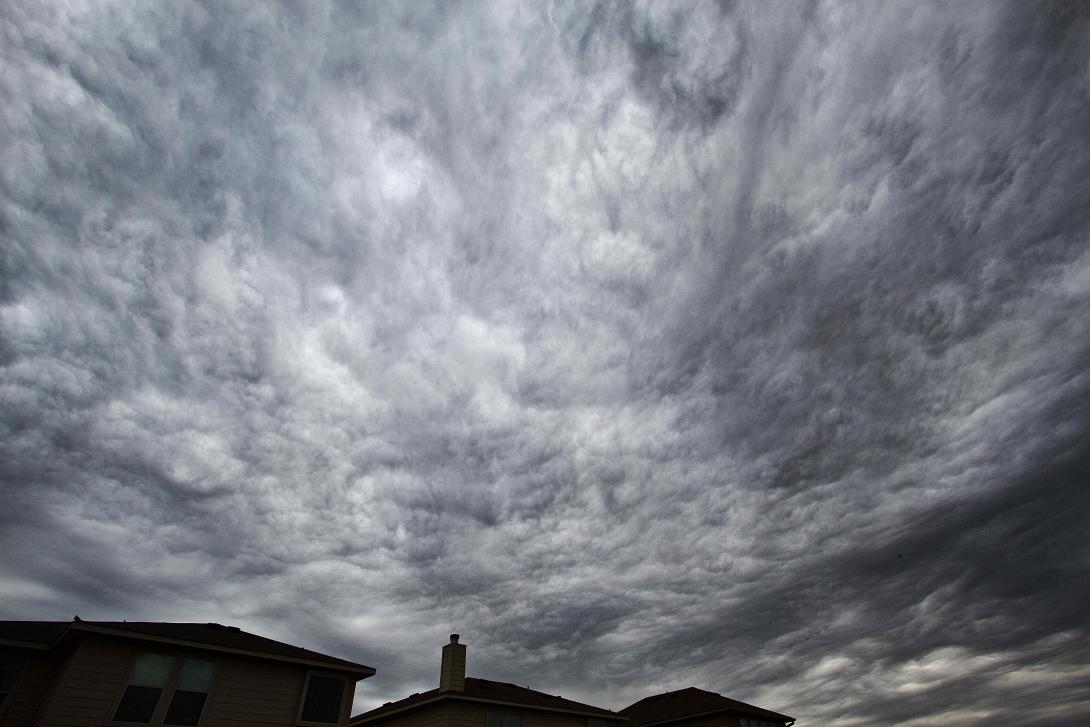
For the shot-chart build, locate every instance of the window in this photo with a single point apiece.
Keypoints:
(146, 684)
(186, 680)
(504, 719)
(190, 693)
(10, 666)
(322, 701)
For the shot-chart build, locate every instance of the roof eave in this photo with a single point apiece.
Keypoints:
(363, 718)
(758, 711)
(361, 671)
(544, 708)
(20, 644)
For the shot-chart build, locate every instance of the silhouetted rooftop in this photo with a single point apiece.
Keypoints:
(690, 702)
(42, 633)
(487, 690)
(209, 635)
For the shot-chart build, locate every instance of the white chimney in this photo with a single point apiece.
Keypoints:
(452, 674)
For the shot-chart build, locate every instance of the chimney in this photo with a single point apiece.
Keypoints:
(452, 675)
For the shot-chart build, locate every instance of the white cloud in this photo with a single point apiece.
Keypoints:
(646, 345)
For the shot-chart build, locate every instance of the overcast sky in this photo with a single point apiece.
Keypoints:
(743, 346)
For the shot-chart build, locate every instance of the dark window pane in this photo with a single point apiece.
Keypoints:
(323, 700)
(185, 708)
(151, 670)
(196, 676)
(138, 704)
(504, 719)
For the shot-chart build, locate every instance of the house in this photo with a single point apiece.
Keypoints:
(694, 707)
(461, 701)
(83, 673)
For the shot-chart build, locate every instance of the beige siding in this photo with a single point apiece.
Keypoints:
(250, 692)
(247, 692)
(88, 686)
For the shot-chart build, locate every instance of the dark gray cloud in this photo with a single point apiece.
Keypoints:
(736, 345)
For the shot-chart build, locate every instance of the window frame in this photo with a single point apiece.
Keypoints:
(346, 694)
(179, 658)
(502, 713)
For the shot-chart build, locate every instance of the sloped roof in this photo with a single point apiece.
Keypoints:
(37, 633)
(203, 635)
(486, 690)
(690, 702)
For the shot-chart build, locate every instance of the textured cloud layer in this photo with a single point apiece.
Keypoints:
(736, 345)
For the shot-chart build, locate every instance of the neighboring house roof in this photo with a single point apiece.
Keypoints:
(485, 690)
(690, 702)
(229, 639)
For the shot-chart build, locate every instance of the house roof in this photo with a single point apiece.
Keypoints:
(485, 690)
(231, 639)
(691, 702)
(32, 634)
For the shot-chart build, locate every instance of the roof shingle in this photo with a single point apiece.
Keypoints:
(486, 689)
(690, 702)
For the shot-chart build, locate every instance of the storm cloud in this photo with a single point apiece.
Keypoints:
(735, 345)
